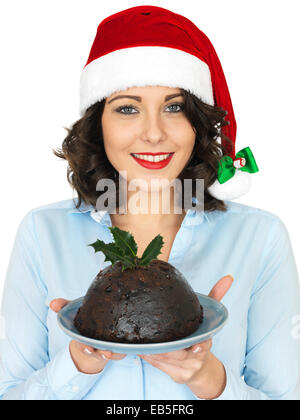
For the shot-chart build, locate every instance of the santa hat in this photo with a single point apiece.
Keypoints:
(150, 45)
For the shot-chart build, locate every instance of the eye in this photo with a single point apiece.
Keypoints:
(180, 105)
(125, 107)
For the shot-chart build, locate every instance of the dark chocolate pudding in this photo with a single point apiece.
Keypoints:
(149, 304)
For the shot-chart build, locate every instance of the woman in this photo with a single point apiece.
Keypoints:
(131, 106)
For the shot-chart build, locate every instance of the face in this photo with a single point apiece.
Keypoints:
(150, 121)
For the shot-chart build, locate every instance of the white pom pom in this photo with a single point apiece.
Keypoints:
(234, 188)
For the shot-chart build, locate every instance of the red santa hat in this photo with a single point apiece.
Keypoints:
(149, 45)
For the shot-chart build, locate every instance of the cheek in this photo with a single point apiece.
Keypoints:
(183, 134)
(114, 141)
(111, 133)
(186, 142)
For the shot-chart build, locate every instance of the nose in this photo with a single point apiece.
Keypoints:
(153, 129)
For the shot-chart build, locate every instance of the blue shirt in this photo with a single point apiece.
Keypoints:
(50, 259)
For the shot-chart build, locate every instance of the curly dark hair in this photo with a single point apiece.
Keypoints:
(84, 151)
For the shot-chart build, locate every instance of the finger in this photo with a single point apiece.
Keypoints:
(157, 358)
(106, 354)
(179, 371)
(57, 304)
(98, 354)
(221, 288)
(176, 355)
(109, 355)
(90, 351)
(187, 362)
(201, 347)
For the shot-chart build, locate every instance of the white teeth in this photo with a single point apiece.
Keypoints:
(150, 158)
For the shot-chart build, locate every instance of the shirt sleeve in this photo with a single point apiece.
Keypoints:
(272, 360)
(26, 373)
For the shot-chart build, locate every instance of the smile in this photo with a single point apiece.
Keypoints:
(153, 161)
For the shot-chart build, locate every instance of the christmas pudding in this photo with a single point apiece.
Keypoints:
(137, 300)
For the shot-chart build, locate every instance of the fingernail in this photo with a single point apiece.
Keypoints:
(196, 349)
(230, 275)
(87, 351)
(104, 357)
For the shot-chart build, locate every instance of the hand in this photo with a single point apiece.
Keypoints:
(196, 366)
(86, 359)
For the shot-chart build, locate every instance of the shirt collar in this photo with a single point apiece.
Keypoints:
(83, 208)
(192, 216)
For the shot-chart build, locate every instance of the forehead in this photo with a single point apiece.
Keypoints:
(146, 91)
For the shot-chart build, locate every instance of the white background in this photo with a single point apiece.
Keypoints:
(45, 45)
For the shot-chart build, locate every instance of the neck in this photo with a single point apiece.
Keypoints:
(156, 209)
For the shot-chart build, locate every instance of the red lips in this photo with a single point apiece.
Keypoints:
(153, 165)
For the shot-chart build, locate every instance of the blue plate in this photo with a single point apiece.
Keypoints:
(214, 318)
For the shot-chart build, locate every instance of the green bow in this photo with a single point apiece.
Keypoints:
(227, 170)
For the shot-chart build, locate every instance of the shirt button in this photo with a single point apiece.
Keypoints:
(75, 388)
(137, 361)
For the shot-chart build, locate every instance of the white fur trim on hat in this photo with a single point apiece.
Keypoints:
(234, 188)
(142, 66)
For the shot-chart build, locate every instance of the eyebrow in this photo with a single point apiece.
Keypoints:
(139, 99)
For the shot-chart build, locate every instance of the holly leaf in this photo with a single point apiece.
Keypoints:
(152, 251)
(124, 249)
(114, 253)
(125, 241)
(111, 251)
